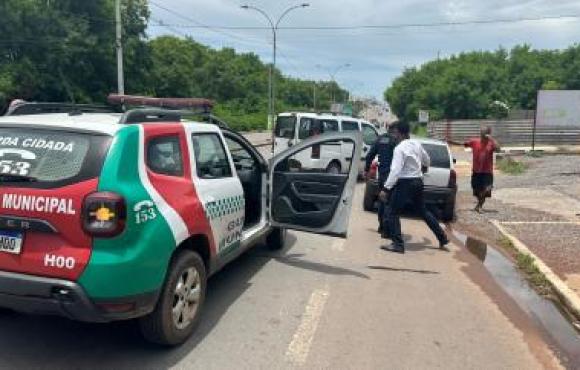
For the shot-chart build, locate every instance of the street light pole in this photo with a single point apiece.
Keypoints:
(119, 42)
(314, 96)
(272, 77)
(333, 74)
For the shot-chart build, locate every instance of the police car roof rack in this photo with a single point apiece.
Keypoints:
(34, 108)
(193, 104)
(143, 115)
(147, 109)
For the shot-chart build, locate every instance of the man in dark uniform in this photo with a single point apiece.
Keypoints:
(383, 148)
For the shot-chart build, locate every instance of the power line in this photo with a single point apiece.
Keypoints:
(290, 63)
(200, 25)
(387, 26)
(170, 28)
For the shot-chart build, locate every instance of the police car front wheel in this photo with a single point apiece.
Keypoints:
(277, 239)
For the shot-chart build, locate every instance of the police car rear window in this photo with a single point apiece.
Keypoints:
(38, 156)
(439, 155)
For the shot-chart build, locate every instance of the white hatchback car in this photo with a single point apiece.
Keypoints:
(440, 181)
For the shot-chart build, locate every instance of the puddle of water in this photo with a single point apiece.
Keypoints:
(542, 311)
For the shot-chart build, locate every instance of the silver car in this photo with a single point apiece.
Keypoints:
(440, 181)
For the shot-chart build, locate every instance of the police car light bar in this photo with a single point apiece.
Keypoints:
(168, 103)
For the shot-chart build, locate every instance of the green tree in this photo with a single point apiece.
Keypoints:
(465, 86)
(64, 50)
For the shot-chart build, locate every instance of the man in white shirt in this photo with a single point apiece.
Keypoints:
(404, 186)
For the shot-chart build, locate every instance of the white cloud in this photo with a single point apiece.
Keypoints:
(377, 56)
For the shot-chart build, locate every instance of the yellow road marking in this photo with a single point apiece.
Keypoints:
(299, 348)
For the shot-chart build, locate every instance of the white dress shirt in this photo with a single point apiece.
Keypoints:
(408, 160)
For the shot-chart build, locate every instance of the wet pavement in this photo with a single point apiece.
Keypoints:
(558, 331)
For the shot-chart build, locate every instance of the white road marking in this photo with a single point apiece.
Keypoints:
(338, 245)
(539, 223)
(300, 346)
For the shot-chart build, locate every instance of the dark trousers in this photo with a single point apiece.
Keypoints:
(408, 195)
(383, 212)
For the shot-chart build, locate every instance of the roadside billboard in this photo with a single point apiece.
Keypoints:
(336, 108)
(558, 108)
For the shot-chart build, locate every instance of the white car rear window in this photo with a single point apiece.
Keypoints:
(439, 155)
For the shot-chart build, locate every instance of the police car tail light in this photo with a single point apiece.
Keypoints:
(104, 215)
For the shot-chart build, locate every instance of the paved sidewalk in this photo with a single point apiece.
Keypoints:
(259, 138)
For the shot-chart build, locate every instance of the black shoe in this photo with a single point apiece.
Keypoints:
(380, 230)
(443, 244)
(393, 248)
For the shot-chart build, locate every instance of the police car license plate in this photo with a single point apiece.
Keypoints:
(11, 241)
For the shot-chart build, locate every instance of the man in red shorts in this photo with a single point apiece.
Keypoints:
(482, 176)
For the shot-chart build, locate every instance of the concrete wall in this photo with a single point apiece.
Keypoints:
(518, 132)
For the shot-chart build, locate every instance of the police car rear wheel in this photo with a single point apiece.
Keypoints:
(178, 310)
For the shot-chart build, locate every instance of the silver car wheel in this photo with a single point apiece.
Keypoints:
(186, 298)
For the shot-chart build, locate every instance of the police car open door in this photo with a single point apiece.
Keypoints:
(312, 184)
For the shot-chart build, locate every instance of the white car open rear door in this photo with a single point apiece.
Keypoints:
(310, 199)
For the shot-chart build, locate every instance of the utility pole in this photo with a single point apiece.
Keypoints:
(314, 95)
(119, 42)
(332, 75)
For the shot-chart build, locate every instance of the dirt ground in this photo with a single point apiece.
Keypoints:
(540, 207)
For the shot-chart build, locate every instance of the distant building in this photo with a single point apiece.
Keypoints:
(378, 113)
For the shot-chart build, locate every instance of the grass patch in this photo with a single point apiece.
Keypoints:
(527, 265)
(535, 154)
(507, 244)
(511, 166)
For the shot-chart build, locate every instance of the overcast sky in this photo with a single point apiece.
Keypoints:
(377, 56)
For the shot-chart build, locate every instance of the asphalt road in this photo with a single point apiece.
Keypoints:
(321, 303)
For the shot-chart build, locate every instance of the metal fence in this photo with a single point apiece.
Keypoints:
(520, 132)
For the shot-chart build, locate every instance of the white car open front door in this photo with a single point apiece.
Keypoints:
(310, 199)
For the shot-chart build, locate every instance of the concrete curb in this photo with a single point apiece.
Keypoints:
(569, 298)
(262, 144)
